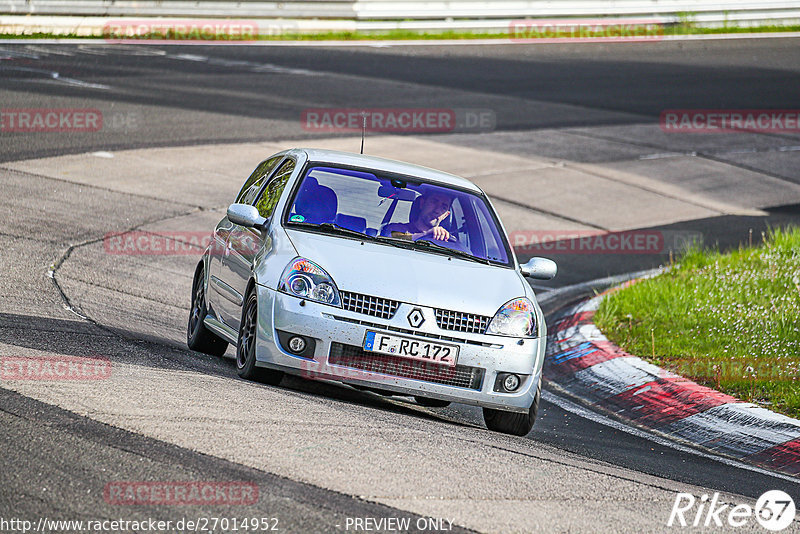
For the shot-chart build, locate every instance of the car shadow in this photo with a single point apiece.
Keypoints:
(76, 338)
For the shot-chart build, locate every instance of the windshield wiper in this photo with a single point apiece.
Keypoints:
(395, 241)
(333, 228)
(459, 253)
(408, 243)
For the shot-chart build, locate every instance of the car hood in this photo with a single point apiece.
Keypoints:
(410, 276)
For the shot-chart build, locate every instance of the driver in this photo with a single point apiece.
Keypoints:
(427, 211)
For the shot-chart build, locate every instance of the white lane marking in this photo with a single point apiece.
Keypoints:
(78, 83)
(49, 51)
(101, 154)
(109, 49)
(251, 65)
(190, 57)
(222, 62)
(51, 76)
(580, 411)
(665, 155)
(5, 53)
(269, 67)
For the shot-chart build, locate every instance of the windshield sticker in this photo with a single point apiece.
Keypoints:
(297, 218)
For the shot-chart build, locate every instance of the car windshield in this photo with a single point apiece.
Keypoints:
(429, 217)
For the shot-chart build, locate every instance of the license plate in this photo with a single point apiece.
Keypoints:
(414, 349)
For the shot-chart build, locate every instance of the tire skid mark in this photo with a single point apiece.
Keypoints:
(55, 266)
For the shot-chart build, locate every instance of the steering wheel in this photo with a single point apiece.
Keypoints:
(429, 237)
(452, 243)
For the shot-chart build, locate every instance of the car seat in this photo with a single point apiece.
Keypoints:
(316, 203)
(351, 222)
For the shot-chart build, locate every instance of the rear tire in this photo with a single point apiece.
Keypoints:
(431, 403)
(246, 347)
(198, 337)
(517, 424)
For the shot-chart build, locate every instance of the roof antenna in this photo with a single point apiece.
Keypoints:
(363, 129)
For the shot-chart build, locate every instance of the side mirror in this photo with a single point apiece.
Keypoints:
(245, 215)
(539, 268)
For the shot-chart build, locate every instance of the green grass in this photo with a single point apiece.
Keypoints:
(685, 27)
(322, 36)
(729, 321)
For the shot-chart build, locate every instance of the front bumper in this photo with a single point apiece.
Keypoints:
(339, 335)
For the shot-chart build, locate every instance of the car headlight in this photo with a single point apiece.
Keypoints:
(305, 279)
(515, 318)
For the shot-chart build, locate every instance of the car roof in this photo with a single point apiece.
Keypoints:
(387, 165)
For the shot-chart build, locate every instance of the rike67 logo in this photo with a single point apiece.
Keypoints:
(774, 510)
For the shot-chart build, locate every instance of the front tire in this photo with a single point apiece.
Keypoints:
(517, 424)
(198, 337)
(246, 347)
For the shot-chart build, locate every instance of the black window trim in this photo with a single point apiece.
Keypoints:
(267, 178)
(272, 176)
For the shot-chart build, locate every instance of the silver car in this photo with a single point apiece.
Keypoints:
(383, 275)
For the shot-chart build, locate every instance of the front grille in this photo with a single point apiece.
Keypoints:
(369, 305)
(461, 376)
(461, 322)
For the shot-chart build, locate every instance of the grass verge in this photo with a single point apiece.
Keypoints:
(401, 35)
(728, 321)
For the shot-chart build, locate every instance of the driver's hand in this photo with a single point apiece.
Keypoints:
(440, 234)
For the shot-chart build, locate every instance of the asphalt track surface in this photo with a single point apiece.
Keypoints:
(578, 102)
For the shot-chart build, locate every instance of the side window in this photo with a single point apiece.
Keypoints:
(272, 193)
(256, 180)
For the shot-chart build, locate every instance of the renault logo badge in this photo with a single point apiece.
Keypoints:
(415, 318)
